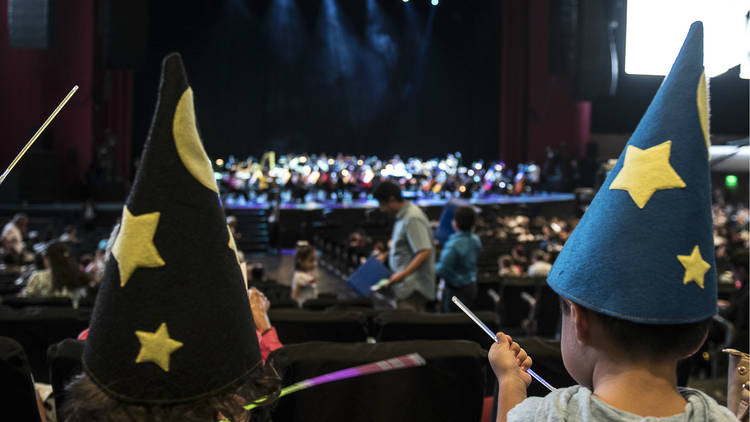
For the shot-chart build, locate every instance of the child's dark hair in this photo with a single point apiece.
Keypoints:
(387, 190)
(651, 340)
(303, 253)
(87, 402)
(465, 217)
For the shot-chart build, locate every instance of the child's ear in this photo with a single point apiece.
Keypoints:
(581, 319)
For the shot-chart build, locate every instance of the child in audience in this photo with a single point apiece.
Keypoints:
(304, 285)
(458, 261)
(637, 279)
(172, 337)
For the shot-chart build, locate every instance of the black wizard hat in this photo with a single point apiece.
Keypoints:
(172, 321)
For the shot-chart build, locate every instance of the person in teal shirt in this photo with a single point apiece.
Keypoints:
(458, 261)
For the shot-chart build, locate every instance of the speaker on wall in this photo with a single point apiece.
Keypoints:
(598, 63)
(30, 23)
(583, 44)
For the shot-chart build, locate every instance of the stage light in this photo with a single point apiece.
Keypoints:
(219, 162)
(435, 2)
(405, 1)
(331, 161)
(360, 162)
(462, 189)
(303, 159)
(730, 181)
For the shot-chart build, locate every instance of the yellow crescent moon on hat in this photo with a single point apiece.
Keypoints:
(188, 142)
(702, 100)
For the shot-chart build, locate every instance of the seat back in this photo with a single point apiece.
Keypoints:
(64, 360)
(38, 328)
(23, 302)
(448, 388)
(322, 303)
(409, 325)
(17, 393)
(298, 326)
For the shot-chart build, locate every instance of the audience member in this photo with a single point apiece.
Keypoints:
(540, 264)
(12, 236)
(95, 269)
(506, 267)
(304, 285)
(61, 276)
(70, 235)
(458, 261)
(232, 223)
(411, 258)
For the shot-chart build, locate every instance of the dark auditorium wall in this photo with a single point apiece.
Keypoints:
(249, 100)
(34, 81)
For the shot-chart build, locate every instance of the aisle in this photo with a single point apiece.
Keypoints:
(281, 268)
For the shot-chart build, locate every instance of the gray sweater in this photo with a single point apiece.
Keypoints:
(576, 403)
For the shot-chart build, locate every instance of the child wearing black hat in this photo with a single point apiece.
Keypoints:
(637, 278)
(172, 334)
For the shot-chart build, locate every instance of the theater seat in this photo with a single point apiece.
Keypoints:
(448, 388)
(322, 303)
(284, 304)
(409, 325)
(64, 360)
(38, 328)
(23, 302)
(17, 393)
(297, 326)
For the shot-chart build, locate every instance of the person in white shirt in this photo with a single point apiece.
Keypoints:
(304, 285)
(540, 264)
(12, 235)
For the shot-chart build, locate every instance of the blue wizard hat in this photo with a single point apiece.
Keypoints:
(643, 251)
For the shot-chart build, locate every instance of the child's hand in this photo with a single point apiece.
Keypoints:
(509, 361)
(259, 306)
(258, 301)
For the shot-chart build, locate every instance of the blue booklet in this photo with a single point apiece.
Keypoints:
(367, 275)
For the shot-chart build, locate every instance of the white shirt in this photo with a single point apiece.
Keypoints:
(306, 286)
(13, 238)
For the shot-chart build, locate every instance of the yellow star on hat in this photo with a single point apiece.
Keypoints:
(695, 267)
(156, 347)
(134, 247)
(645, 171)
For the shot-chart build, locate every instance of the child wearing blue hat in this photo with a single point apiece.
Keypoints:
(637, 278)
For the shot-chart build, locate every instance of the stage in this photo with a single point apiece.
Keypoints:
(536, 198)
